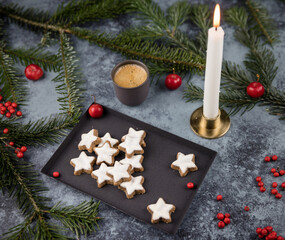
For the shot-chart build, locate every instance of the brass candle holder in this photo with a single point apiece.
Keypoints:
(210, 128)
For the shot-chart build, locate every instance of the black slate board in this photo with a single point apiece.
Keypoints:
(160, 179)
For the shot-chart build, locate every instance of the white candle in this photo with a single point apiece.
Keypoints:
(213, 67)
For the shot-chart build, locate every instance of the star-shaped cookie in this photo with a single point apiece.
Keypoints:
(135, 161)
(133, 187)
(161, 211)
(83, 163)
(89, 140)
(131, 143)
(107, 137)
(184, 164)
(101, 175)
(106, 154)
(120, 173)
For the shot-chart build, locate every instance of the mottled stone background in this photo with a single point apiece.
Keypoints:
(240, 153)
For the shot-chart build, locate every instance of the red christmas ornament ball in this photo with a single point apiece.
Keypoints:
(33, 72)
(221, 224)
(190, 185)
(55, 174)
(173, 81)
(95, 110)
(255, 89)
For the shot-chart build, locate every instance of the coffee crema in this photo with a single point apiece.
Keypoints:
(130, 76)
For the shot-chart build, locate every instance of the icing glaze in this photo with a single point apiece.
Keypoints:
(119, 172)
(101, 175)
(107, 137)
(89, 139)
(161, 211)
(82, 163)
(135, 162)
(133, 186)
(106, 154)
(184, 163)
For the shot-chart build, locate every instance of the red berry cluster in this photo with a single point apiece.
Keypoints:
(268, 233)
(268, 159)
(19, 150)
(8, 108)
(275, 192)
(277, 172)
(225, 219)
(260, 184)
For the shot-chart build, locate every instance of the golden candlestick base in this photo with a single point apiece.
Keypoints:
(210, 128)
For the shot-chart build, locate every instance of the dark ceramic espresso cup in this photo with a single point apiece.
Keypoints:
(131, 96)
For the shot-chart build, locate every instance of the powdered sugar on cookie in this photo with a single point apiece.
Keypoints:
(132, 187)
(89, 140)
(101, 175)
(83, 163)
(135, 161)
(120, 173)
(106, 154)
(107, 137)
(184, 163)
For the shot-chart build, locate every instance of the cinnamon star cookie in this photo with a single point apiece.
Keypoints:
(83, 163)
(133, 187)
(89, 140)
(106, 154)
(184, 164)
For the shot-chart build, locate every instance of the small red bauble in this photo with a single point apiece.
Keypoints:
(246, 208)
(227, 221)
(258, 179)
(173, 81)
(19, 113)
(20, 154)
(281, 172)
(55, 174)
(227, 215)
(14, 105)
(274, 157)
(274, 191)
(221, 224)
(274, 185)
(264, 232)
(258, 230)
(255, 89)
(269, 228)
(273, 170)
(283, 185)
(276, 174)
(262, 189)
(260, 184)
(33, 72)
(219, 197)
(267, 159)
(220, 216)
(190, 185)
(95, 110)
(278, 196)
(6, 130)
(23, 149)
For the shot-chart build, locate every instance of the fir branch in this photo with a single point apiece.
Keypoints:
(68, 79)
(21, 231)
(82, 11)
(13, 87)
(46, 60)
(262, 24)
(81, 219)
(43, 131)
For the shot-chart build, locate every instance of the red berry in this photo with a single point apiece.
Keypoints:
(219, 197)
(276, 174)
(281, 172)
(274, 157)
(19, 113)
(227, 215)
(190, 185)
(20, 155)
(23, 149)
(220, 216)
(273, 170)
(8, 114)
(274, 191)
(267, 159)
(95, 110)
(269, 228)
(173, 81)
(2, 112)
(11, 110)
(11, 143)
(246, 208)
(3, 109)
(17, 150)
(274, 233)
(1, 98)
(280, 238)
(7, 104)
(33, 72)
(14, 105)
(258, 179)
(260, 236)
(274, 185)
(55, 174)
(264, 232)
(283, 185)
(262, 189)
(258, 230)
(227, 221)
(278, 196)
(6, 130)
(260, 184)
(221, 224)
(255, 89)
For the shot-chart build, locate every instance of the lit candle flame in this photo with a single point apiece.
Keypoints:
(217, 16)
